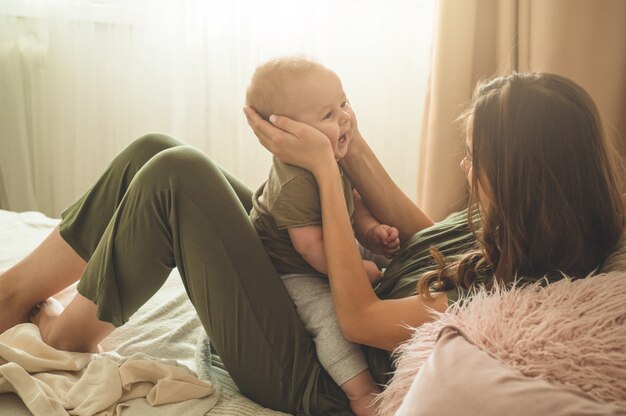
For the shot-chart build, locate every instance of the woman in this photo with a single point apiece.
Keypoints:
(539, 170)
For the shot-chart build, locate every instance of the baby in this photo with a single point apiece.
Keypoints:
(286, 214)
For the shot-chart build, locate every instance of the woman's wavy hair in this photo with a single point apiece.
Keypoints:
(554, 200)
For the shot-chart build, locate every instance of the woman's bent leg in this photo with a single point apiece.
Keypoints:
(86, 219)
(50, 268)
(180, 210)
(55, 264)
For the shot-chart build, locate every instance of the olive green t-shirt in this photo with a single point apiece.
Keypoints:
(289, 199)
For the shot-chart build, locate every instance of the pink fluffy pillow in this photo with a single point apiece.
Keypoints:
(461, 379)
(570, 334)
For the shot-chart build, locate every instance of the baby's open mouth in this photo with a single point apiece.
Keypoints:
(342, 138)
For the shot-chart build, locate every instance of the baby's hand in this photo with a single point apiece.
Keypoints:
(383, 239)
(373, 272)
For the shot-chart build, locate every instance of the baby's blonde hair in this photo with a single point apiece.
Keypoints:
(269, 87)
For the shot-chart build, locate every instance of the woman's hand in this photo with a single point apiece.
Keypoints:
(291, 141)
(356, 139)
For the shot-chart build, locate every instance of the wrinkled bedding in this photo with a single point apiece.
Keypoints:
(166, 327)
(52, 382)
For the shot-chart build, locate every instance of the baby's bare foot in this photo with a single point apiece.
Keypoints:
(364, 406)
(362, 391)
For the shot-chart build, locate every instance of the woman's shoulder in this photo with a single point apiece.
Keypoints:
(616, 261)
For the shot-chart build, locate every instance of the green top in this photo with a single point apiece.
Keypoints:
(289, 199)
(451, 237)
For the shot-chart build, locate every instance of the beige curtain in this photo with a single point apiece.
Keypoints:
(476, 39)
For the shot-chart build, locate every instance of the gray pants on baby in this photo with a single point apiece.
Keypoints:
(311, 294)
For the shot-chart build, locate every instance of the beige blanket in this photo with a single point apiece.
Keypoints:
(53, 382)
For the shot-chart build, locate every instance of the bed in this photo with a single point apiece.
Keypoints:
(513, 352)
(166, 327)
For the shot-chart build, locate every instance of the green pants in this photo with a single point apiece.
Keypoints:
(161, 204)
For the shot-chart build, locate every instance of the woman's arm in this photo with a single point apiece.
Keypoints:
(381, 194)
(364, 318)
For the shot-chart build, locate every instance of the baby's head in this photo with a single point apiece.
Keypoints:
(305, 91)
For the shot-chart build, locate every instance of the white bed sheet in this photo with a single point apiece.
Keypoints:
(166, 326)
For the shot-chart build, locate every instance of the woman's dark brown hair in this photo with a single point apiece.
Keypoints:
(553, 201)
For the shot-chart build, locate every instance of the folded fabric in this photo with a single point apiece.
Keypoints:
(53, 382)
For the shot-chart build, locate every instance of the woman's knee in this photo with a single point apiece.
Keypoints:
(145, 147)
(179, 167)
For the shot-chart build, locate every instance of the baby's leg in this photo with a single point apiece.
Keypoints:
(343, 360)
(380, 260)
(361, 391)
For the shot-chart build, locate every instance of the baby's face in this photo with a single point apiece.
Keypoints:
(319, 101)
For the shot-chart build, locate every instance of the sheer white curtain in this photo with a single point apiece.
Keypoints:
(79, 79)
